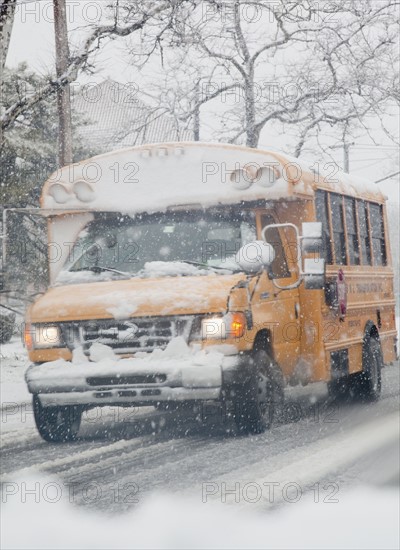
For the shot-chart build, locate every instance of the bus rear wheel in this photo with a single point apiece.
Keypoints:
(367, 384)
(340, 389)
(56, 424)
(256, 400)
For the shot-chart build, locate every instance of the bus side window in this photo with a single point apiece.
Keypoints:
(321, 207)
(377, 233)
(364, 236)
(352, 239)
(338, 228)
(279, 268)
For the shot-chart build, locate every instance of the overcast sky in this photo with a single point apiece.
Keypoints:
(33, 41)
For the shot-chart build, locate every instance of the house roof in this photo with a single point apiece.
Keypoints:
(116, 118)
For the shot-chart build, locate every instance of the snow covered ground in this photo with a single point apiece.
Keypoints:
(325, 476)
(365, 520)
(14, 362)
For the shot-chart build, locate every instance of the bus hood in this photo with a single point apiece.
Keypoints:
(121, 299)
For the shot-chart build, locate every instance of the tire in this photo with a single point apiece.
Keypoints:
(367, 384)
(167, 406)
(56, 424)
(340, 390)
(260, 396)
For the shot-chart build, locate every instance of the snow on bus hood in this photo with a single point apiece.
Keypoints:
(178, 360)
(136, 297)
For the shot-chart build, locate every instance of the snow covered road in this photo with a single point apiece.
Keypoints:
(166, 474)
(123, 456)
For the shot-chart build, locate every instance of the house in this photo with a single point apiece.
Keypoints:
(115, 118)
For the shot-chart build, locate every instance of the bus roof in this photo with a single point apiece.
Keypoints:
(151, 178)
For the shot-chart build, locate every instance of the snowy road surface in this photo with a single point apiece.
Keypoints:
(317, 453)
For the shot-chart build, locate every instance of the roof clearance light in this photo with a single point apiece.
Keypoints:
(179, 151)
(162, 152)
(293, 172)
(146, 153)
(84, 191)
(267, 176)
(60, 193)
(241, 179)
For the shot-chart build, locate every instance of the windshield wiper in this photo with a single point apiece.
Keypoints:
(100, 269)
(201, 264)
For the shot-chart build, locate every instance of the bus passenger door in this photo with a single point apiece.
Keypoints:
(281, 307)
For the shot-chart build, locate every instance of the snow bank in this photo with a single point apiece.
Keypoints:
(14, 362)
(366, 518)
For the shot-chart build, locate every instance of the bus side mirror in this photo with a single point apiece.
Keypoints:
(254, 256)
(311, 239)
(314, 273)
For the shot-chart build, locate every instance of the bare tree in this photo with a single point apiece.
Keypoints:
(308, 66)
(7, 13)
(155, 16)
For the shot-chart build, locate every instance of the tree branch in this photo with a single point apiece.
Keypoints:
(77, 62)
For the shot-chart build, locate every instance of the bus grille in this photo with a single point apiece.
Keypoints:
(126, 380)
(128, 336)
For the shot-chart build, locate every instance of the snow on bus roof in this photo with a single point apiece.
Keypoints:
(333, 179)
(155, 177)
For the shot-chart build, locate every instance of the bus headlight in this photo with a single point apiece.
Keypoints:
(231, 325)
(42, 336)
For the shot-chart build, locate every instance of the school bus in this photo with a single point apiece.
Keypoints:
(186, 273)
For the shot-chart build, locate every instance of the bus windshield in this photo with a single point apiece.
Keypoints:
(173, 243)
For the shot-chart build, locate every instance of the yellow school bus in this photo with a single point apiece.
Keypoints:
(185, 273)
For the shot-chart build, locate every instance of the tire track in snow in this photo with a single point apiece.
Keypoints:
(31, 443)
(177, 464)
(218, 458)
(58, 463)
(130, 448)
(323, 458)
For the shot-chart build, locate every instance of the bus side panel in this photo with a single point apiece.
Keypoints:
(369, 299)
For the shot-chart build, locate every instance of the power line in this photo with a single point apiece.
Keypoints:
(363, 160)
(360, 146)
(367, 166)
(389, 176)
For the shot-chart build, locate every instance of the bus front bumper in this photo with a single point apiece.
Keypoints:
(131, 381)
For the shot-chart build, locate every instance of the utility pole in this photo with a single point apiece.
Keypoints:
(63, 92)
(7, 13)
(196, 121)
(346, 154)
